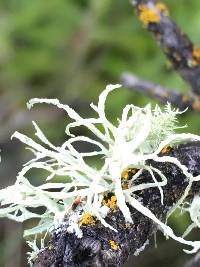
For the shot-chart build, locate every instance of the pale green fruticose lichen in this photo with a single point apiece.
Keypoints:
(138, 136)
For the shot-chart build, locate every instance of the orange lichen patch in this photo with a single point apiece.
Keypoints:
(87, 219)
(113, 245)
(196, 53)
(148, 15)
(128, 173)
(162, 8)
(165, 149)
(110, 202)
(194, 63)
(196, 105)
(196, 57)
(125, 175)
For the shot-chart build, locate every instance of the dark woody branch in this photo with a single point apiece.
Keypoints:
(101, 246)
(194, 262)
(176, 45)
(162, 94)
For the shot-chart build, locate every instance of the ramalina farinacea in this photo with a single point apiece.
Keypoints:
(138, 136)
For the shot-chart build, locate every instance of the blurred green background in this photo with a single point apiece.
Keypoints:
(71, 49)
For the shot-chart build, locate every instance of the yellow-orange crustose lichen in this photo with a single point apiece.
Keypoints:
(87, 219)
(128, 173)
(113, 245)
(126, 176)
(196, 56)
(165, 149)
(110, 202)
(196, 52)
(194, 63)
(148, 15)
(162, 8)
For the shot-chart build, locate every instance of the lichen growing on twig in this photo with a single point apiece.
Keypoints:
(138, 136)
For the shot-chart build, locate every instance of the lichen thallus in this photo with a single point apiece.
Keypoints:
(86, 193)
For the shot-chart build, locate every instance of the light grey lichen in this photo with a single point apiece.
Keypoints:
(139, 135)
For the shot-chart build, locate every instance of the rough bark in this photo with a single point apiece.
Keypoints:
(175, 44)
(94, 248)
(183, 55)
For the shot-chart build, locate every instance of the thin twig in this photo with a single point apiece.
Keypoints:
(176, 45)
(163, 94)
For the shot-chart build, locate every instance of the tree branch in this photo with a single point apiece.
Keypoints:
(163, 94)
(194, 262)
(101, 246)
(176, 45)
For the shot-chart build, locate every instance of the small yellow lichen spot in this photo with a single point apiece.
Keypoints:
(196, 57)
(196, 53)
(148, 15)
(162, 8)
(194, 63)
(165, 149)
(113, 245)
(110, 202)
(126, 176)
(127, 173)
(104, 202)
(87, 219)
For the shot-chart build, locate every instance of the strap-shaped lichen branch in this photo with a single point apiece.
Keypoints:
(161, 93)
(100, 246)
(100, 208)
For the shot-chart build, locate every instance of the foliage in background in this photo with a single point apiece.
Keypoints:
(70, 50)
